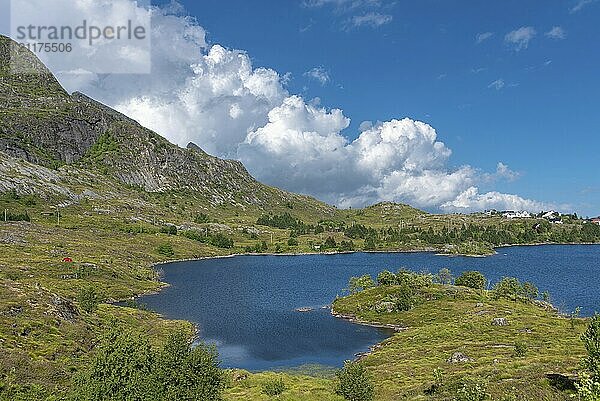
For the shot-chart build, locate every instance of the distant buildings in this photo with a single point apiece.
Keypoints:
(596, 220)
(516, 215)
(552, 216)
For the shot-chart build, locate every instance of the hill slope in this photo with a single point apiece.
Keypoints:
(44, 125)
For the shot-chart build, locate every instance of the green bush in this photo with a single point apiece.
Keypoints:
(591, 341)
(346, 246)
(165, 249)
(221, 241)
(473, 390)
(386, 277)
(414, 280)
(370, 244)
(19, 216)
(444, 277)
(471, 279)
(530, 290)
(520, 350)
(292, 242)
(588, 389)
(329, 243)
(357, 284)
(201, 218)
(354, 383)
(125, 367)
(404, 298)
(170, 229)
(509, 287)
(274, 387)
(88, 299)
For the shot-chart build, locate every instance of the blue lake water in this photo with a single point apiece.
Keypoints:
(246, 304)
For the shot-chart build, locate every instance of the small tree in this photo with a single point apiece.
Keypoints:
(370, 244)
(520, 349)
(88, 299)
(125, 367)
(165, 249)
(274, 387)
(170, 229)
(292, 242)
(530, 290)
(201, 218)
(509, 287)
(357, 284)
(354, 383)
(386, 277)
(444, 276)
(471, 279)
(591, 341)
(546, 296)
(329, 243)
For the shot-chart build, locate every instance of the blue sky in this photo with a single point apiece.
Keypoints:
(426, 64)
(469, 105)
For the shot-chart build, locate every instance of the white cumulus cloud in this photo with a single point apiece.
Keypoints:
(215, 97)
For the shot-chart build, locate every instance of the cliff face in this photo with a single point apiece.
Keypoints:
(44, 125)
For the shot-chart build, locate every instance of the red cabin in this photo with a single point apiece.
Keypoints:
(67, 260)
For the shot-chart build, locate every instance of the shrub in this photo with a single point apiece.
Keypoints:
(386, 277)
(444, 276)
(201, 218)
(9, 216)
(329, 243)
(370, 244)
(471, 279)
(509, 287)
(357, 284)
(88, 299)
(170, 229)
(165, 249)
(404, 298)
(346, 246)
(546, 296)
(292, 242)
(221, 241)
(591, 341)
(125, 367)
(354, 383)
(530, 290)
(274, 387)
(588, 389)
(414, 280)
(520, 350)
(473, 390)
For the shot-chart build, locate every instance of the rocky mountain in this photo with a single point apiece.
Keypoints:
(47, 132)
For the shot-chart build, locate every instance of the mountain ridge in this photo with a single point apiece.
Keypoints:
(43, 125)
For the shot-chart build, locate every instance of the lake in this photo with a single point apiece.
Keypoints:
(246, 305)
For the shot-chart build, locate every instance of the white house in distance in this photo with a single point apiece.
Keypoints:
(596, 220)
(516, 215)
(552, 216)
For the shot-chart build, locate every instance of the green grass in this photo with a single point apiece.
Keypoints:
(457, 319)
(114, 242)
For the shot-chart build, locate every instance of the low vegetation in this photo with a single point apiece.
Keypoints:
(459, 341)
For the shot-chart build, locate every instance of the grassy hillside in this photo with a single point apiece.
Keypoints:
(519, 360)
